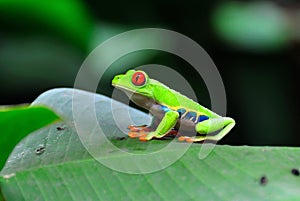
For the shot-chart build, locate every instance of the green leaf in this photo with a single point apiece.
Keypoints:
(16, 122)
(66, 170)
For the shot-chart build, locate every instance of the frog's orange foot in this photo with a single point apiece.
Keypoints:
(190, 140)
(186, 138)
(143, 137)
(136, 134)
(133, 128)
(181, 138)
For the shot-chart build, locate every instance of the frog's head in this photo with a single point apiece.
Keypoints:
(135, 82)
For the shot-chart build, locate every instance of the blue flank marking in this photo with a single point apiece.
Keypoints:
(165, 108)
(202, 118)
(191, 116)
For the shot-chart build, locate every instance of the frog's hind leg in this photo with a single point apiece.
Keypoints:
(224, 124)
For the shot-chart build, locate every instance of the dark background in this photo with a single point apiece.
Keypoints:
(254, 44)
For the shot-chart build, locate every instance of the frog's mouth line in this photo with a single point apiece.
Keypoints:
(123, 88)
(128, 90)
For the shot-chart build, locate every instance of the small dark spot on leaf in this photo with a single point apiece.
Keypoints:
(248, 153)
(40, 150)
(139, 148)
(263, 180)
(60, 128)
(120, 138)
(295, 172)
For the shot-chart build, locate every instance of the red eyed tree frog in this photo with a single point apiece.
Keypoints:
(171, 110)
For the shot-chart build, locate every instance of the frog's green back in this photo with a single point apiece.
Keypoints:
(175, 100)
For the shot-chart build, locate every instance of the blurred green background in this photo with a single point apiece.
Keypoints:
(254, 44)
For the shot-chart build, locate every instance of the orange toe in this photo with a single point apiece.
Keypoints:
(190, 140)
(133, 129)
(133, 134)
(181, 138)
(138, 128)
(130, 126)
(143, 137)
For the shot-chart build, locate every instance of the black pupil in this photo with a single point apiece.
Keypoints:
(137, 77)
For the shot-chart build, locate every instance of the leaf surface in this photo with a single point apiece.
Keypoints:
(66, 170)
(18, 121)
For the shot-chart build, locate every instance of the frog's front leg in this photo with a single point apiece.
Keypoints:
(138, 131)
(167, 123)
(224, 124)
(140, 128)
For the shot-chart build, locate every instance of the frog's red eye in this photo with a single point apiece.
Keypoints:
(138, 79)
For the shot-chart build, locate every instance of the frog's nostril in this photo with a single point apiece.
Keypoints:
(118, 77)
